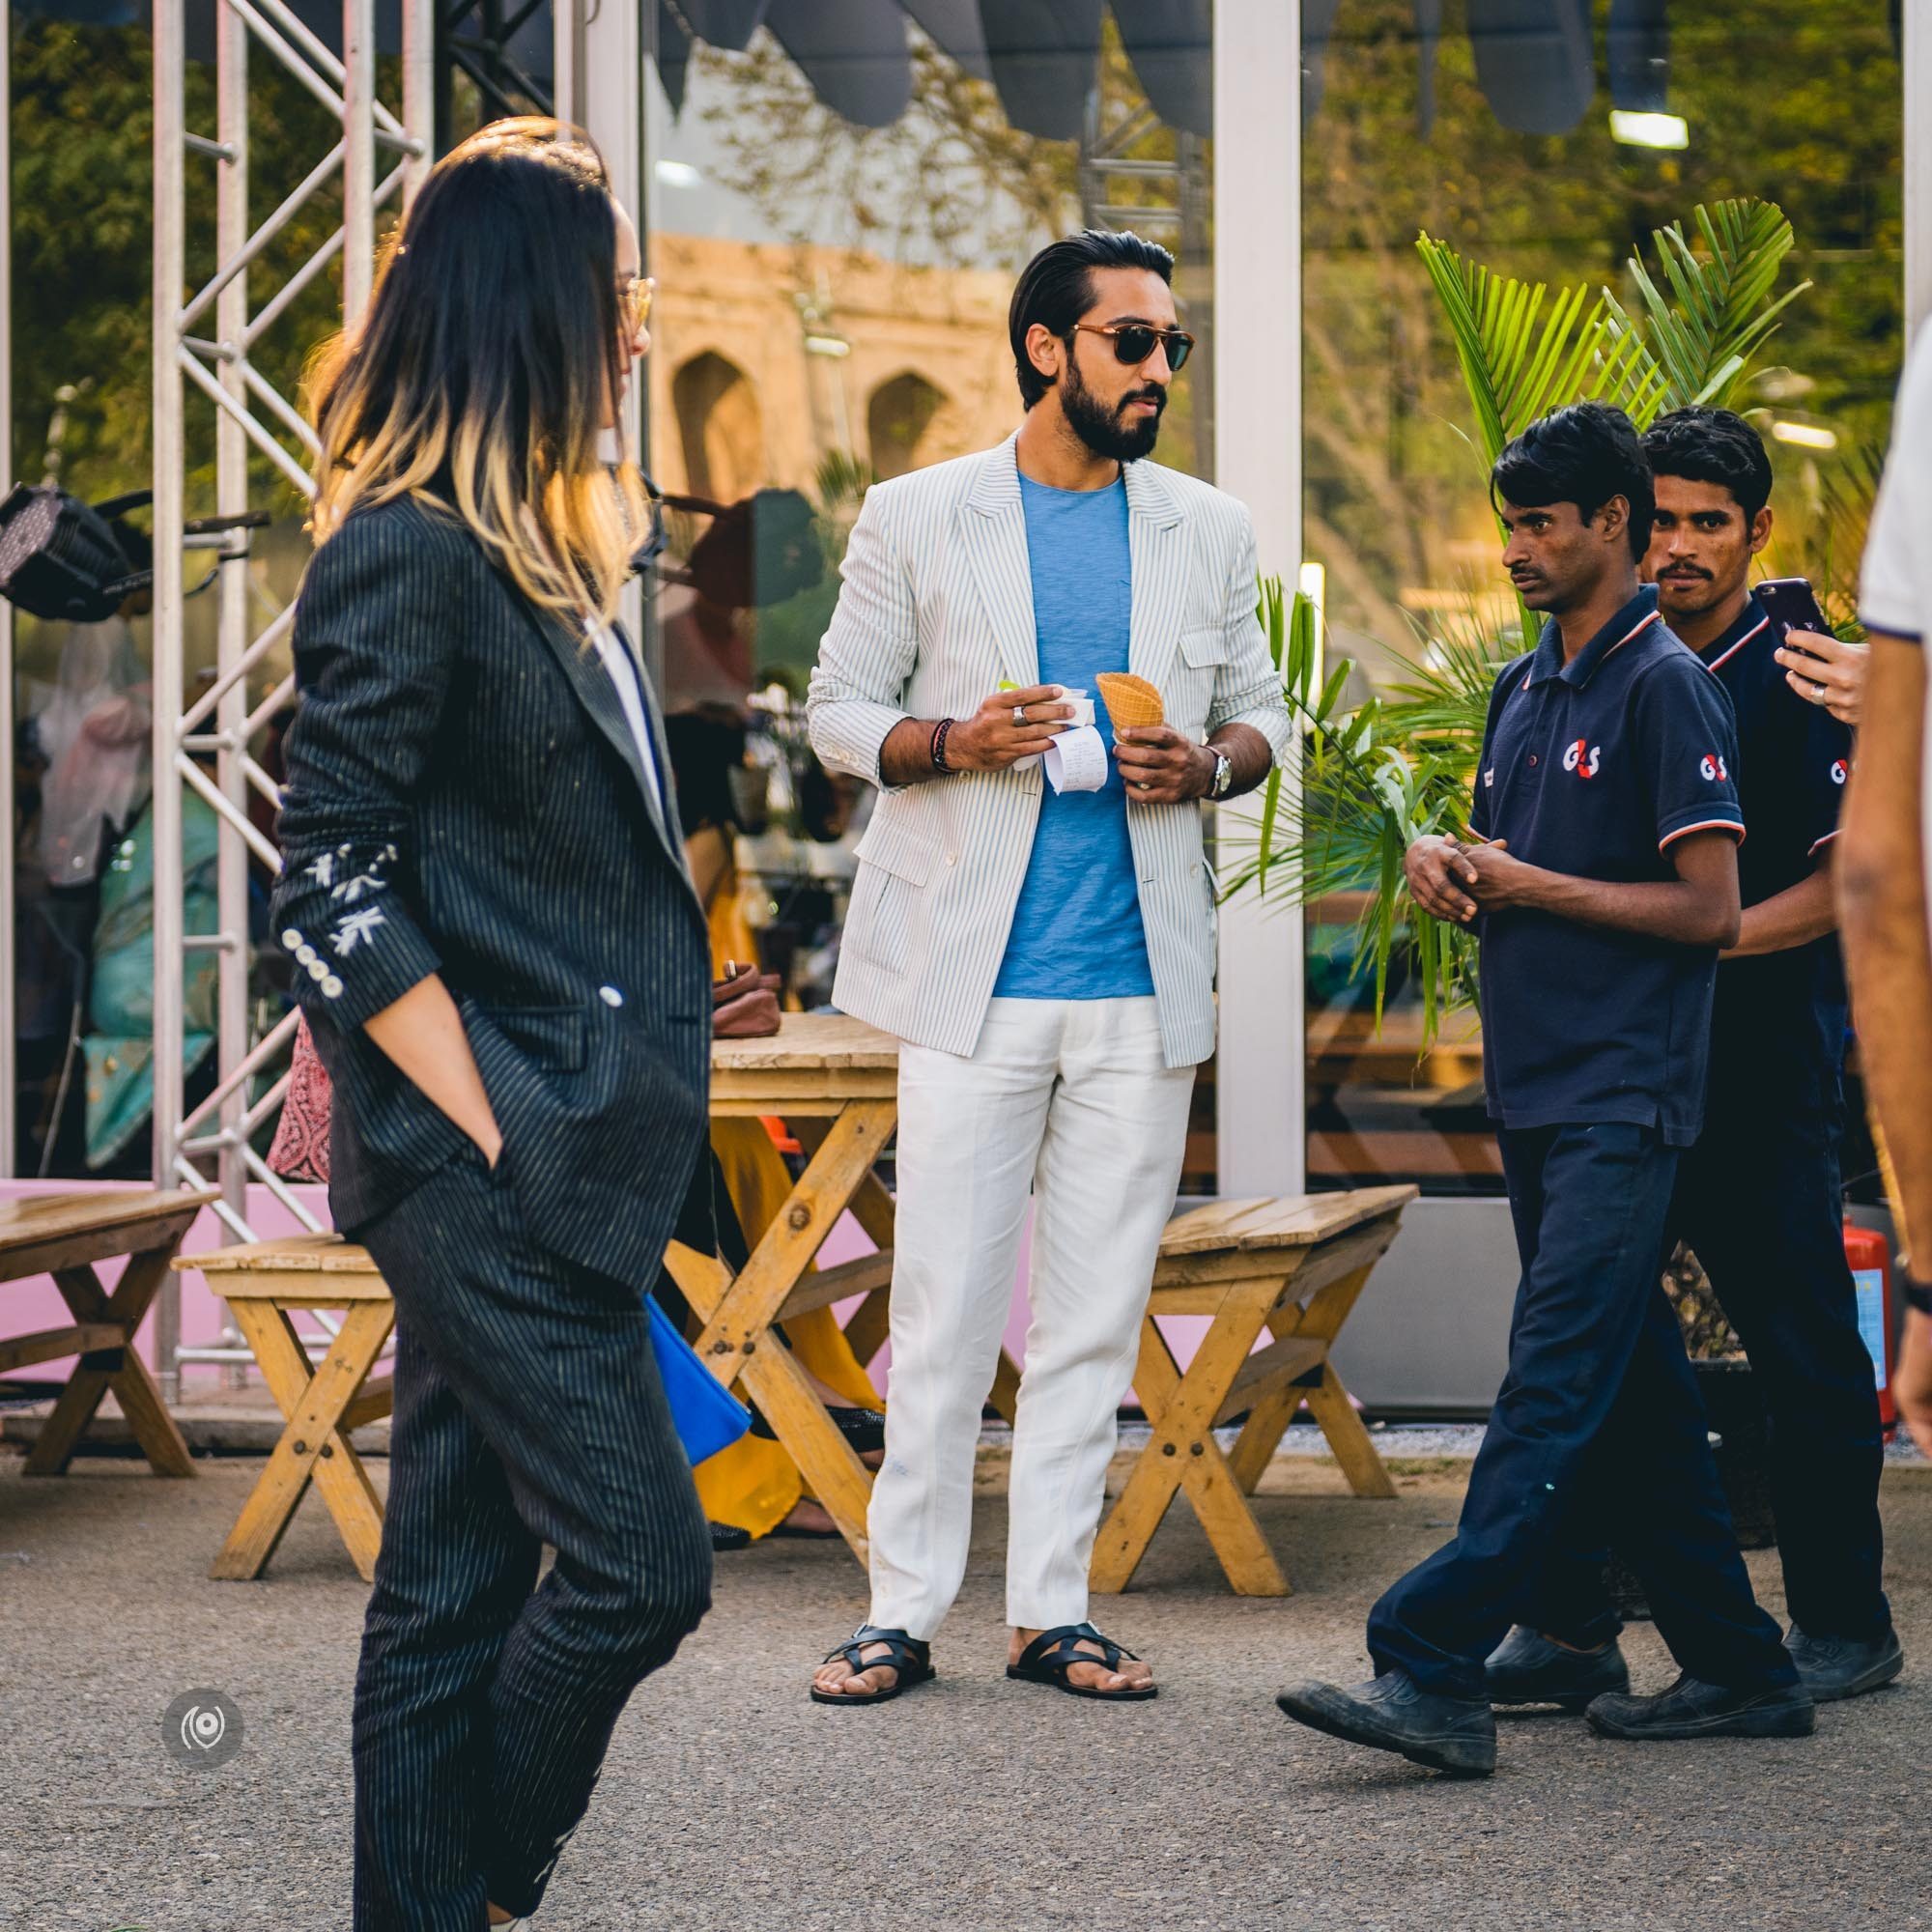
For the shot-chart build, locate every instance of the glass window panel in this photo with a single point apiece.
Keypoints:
(840, 204)
(80, 100)
(1545, 138)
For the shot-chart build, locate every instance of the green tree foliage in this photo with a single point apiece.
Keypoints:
(1376, 777)
(1797, 100)
(83, 228)
(82, 234)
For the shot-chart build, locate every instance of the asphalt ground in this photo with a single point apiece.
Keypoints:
(730, 1802)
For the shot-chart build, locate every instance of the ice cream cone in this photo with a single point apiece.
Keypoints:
(1130, 701)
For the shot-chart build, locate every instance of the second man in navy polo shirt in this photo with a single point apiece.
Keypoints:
(1601, 879)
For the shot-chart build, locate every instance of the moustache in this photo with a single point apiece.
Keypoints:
(1679, 571)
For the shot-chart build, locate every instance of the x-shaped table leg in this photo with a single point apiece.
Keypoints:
(121, 1370)
(314, 1445)
(738, 1312)
(1184, 1455)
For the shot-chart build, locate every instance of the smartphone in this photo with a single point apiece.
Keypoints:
(1793, 605)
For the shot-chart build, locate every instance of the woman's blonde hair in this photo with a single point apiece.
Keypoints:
(480, 376)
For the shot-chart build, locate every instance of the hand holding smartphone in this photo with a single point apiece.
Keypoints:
(1793, 606)
(1826, 671)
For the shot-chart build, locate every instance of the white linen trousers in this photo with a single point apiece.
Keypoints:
(1070, 1101)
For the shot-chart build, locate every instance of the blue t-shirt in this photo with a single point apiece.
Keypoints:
(1076, 931)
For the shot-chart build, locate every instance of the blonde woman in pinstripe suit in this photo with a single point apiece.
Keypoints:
(507, 974)
(1046, 959)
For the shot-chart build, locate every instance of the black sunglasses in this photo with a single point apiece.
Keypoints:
(1134, 342)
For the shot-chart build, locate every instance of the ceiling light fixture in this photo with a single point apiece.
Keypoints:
(1649, 130)
(1806, 436)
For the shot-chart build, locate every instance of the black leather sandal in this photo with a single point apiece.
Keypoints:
(863, 1429)
(911, 1657)
(1053, 1653)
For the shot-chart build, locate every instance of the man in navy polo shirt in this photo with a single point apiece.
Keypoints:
(1601, 879)
(1757, 1197)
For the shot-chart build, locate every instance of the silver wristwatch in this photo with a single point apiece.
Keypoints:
(1224, 775)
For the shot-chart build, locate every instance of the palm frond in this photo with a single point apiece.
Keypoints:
(1518, 364)
(1719, 313)
(1366, 783)
(1842, 493)
(1357, 795)
(1438, 698)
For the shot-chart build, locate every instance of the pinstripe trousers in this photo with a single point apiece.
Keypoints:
(528, 1412)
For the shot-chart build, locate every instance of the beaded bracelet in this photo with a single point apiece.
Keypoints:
(939, 732)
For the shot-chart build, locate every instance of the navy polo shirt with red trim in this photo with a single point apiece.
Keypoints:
(1596, 768)
(1793, 761)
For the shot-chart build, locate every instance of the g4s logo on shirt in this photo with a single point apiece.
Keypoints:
(1712, 766)
(1584, 758)
(1841, 771)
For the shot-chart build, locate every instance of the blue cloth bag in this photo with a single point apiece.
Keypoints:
(707, 1416)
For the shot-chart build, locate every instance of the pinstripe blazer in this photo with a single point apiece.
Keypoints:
(936, 609)
(465, 798)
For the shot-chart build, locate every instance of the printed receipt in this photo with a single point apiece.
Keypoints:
(1077, 760)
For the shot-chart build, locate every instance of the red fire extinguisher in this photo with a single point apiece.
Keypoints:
(1869, 1257)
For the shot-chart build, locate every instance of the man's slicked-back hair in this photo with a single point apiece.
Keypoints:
(1056, 289)
(1583, 454)
(1705, 446)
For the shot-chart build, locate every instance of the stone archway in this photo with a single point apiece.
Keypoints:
(720, 428)
(907, 425)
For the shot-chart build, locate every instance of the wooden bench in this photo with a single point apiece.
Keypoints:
(63, 1235)
(264, 1284)
(1293, 1266)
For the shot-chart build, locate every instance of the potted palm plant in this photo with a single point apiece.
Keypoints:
(1374, 776)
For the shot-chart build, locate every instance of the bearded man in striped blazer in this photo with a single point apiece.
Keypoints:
(1044, 954)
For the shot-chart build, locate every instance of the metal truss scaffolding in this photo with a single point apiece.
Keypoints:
(205, 340)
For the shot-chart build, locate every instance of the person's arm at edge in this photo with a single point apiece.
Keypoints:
(1889, 956)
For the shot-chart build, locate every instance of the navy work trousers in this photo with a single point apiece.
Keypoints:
(1597, 1378)
(1757, 1201)
(528, 1412)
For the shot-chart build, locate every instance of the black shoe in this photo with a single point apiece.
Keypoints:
(1832, 1667)
(1528, 1668)
(863, 1429)
(1693, 1709)
(727, 1536)
(1393, 1713)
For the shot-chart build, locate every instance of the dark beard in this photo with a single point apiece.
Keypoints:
(1101, 429)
